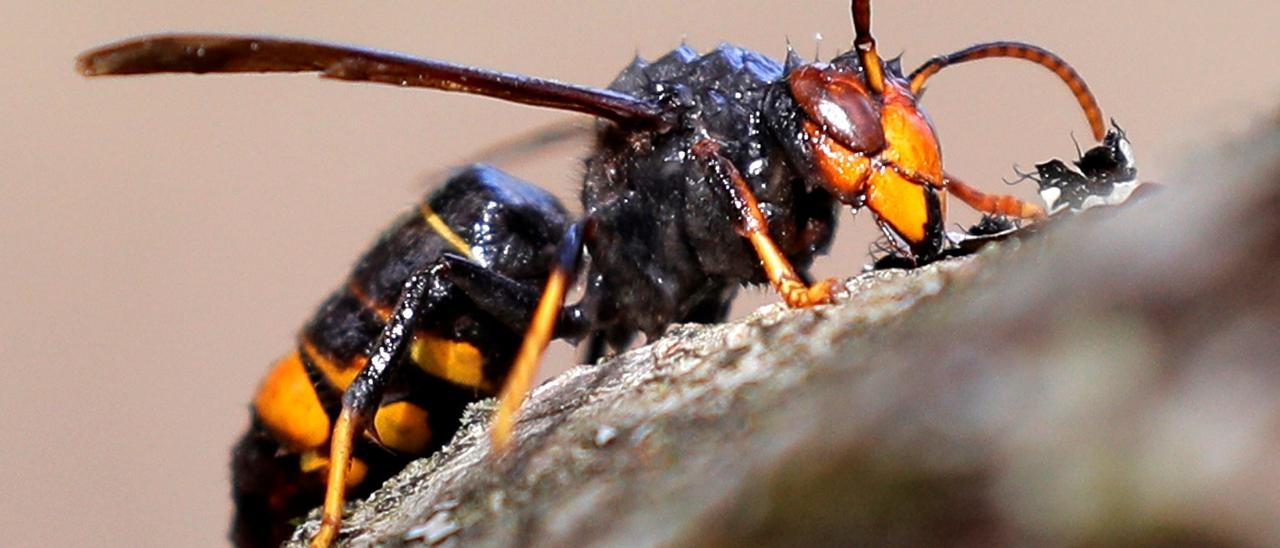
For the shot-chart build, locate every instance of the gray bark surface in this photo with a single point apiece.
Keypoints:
(1111, 379)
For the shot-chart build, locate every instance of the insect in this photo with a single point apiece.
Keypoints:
(1104, 175)
(710, 171)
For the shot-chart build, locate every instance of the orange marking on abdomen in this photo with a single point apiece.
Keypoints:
(316, 462)
(458, 362)
(339, 375)
(287, 404)
(445, 231)
(403, 426)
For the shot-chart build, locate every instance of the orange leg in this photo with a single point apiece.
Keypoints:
(782, 275)
(362, 397)
(336, 487)
(996, 204)
(541, 329)
(1028, 52)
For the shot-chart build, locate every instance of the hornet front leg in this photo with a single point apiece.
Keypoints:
(752, 225)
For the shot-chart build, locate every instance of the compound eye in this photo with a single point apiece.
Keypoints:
(838, 102)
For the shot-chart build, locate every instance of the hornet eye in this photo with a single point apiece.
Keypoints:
(839, 103)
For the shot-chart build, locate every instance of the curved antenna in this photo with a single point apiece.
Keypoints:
(866, 44)
(1028, 52)
(197, 53)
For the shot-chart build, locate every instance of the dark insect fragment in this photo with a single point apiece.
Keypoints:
(1104, 175)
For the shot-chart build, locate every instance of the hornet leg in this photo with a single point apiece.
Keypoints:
(364, 395)
(511, 302)
(503, 297)
(541, 330)
(753, 226)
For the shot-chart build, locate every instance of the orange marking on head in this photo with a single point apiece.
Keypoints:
(403, 426)
(913, 146)
(844, 170)
(289, 408)
(887, 180)
(900, 203)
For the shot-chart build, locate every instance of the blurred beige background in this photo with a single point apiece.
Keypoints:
(162, 238)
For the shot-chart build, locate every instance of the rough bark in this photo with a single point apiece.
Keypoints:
(1109, 380)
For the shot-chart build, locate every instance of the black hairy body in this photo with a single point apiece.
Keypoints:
(667, 247)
